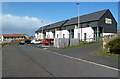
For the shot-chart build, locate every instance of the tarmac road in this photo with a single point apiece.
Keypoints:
(31, 61)
(85, 53)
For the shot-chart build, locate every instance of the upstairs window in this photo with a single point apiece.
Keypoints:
(108, 21)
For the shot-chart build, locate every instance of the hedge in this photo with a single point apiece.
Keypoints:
(114, 46)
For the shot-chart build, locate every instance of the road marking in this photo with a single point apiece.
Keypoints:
(45, 48)
(101, 65)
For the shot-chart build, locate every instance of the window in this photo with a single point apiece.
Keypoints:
(57, 35)
(85, 36)
(108, 21)
(47, 36)
(71, 33)
(78, 35)
(53, 35)
(63, 35)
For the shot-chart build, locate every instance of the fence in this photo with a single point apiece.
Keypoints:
(74, 42)
(65, 42)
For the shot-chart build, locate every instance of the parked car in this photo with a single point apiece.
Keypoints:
(27, 41)
(36, 41)
(21, 43)
(48, 41)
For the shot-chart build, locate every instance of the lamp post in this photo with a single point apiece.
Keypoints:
(78, 4)
(42, 30)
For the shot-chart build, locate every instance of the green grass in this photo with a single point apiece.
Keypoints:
(10, 44)
(106, 54)
(82, 44)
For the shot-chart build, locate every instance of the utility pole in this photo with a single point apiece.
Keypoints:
(78, 4)
(42, 30)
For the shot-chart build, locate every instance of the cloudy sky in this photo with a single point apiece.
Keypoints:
(20, 24)
(27, 17)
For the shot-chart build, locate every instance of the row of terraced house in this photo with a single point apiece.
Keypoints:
(92, 27)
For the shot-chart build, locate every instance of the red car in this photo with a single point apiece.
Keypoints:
(48, 41)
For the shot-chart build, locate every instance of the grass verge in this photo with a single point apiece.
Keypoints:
(10, 44)
(106, 54)
(83, 44)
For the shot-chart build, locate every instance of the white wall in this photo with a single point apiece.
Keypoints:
(65, 33)
(88, 30)
(76, 33)
(49, 35)
(89, 33)
(109, 34)
(38, 36)
(59, 33)
(2, 38)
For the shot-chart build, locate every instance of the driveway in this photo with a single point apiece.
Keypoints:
(32, 61)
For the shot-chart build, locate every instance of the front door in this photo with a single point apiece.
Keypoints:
(85, 36)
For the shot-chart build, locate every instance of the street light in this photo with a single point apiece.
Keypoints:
(78, 4)
(79, 21)
(42, 28)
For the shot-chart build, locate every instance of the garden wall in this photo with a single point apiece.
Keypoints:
(65, 42)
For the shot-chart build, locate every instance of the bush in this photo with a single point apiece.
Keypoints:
(114, 46)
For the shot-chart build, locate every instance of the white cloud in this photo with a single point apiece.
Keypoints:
(19, 24)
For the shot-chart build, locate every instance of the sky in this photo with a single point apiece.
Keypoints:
(27, 17)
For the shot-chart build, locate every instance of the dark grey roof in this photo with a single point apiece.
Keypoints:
(43, 27)
(86, 18)
(57, 24)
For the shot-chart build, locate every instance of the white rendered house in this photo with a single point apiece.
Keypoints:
(40, 33)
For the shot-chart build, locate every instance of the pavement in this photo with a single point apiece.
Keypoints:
(36, 61)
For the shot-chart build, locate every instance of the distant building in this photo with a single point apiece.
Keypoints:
(92, 27)
(11, 37)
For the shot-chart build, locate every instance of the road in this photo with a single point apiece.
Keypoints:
(85, 53)
(32, 61)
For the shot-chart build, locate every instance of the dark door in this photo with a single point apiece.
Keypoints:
(85, 36)
(71, 33)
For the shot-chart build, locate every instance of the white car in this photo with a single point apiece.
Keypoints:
(35, 41)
